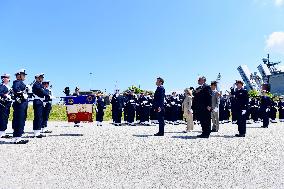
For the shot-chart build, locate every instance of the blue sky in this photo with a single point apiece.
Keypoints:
(134, 41)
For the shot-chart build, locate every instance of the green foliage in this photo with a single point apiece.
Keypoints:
(253, 93)
(58, 113)
(270, 95)
(137, 90)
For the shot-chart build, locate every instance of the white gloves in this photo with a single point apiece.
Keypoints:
(8, 97)
(29, 88)
(216, 109)
(25, 96)
(267, 110)
(173, 103)
(244, 112)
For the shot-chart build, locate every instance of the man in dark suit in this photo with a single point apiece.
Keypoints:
(241, 99)
(158, 105)
(265, 106)
(203, 106)
(117, 107)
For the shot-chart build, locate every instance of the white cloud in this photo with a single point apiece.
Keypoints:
(275, 42)
(279, 2)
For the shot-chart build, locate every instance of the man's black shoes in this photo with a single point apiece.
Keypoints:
(47, 131)
(202, 136)
(6, 136)
(40, 136)
(21, 142)
(239, 135)
(158, 134)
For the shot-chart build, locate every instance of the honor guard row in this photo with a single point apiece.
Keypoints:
(18, 96)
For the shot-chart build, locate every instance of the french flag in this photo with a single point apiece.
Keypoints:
(80, 108)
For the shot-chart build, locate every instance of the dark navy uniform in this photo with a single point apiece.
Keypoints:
(167, 104)
(20, 106)
(223, 108)
(117, 106)
(174, 101)
(254, 109)
(273, 111)
(39, 95)
(180, 112)
(130, 105)
(265, 105)
(158, 103)
(5, 105)
(47, 102)
(241, 100)
(204, 115)
(233, 107)
(101, 106)
(153, 115)
(196, 99)
(125, 108)
(281, 110)
(144, 104)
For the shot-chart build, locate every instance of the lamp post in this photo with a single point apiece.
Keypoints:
(90, 84)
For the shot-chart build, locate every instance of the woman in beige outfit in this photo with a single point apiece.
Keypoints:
(186, 107)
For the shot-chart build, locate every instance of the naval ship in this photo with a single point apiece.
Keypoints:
(271, 77)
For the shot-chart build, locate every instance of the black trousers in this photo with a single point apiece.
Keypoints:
(281, 113)
(273, 113)
(265, 118)
(45, 114)
(145, 113)
(234, 115)
(161, 120)
(117, 113)
(205, 122)
(38, 114)
(4, 115)
(241, 121)
(19, 118)
(174, 113)
(130, 115)
(254, 114)
(100, 115)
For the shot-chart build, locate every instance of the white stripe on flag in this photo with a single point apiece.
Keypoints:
(73, 109)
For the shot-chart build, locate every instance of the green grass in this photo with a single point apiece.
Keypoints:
(58, 113)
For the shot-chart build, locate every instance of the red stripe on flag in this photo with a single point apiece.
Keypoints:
(80, 116)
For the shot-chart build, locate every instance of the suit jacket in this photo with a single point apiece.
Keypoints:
(187, 104)
(117, 102)
(204, 98)
(159, 98)
(241, 99)
(265, 103)
(215, 99)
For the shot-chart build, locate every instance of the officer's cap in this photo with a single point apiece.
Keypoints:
(21, 71)
(39, 75)
(46, 81)
(239, 82)
(213, 82)
(5, 76)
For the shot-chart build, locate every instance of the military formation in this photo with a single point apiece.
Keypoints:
(18, 97)
(204, 105)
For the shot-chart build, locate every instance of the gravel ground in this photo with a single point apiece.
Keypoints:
(130, 157)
